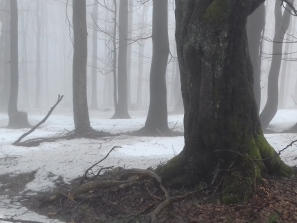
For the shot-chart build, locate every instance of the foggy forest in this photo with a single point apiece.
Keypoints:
(148, 111)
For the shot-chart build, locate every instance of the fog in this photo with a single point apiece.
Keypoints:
(51, 22)
(45, 54)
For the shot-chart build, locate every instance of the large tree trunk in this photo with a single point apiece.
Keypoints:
(282, 22)
(80, 104)
(17, 119)
(157, 120)
(94, 100)
(223, 137)
(255, 27)
(121, 110)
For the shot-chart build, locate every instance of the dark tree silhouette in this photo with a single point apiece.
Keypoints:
(224, 143)
(121, 108)
(282, 20)
(255, 27)
(157, 115)
(80, 104)
(17, 119)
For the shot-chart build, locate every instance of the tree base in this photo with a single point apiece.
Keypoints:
(121, 116)
(18, 120)
(236, 179)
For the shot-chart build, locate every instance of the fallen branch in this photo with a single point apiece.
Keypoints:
(60, 97)
(87, 171)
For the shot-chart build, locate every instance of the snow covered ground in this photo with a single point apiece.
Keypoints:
(70, 158)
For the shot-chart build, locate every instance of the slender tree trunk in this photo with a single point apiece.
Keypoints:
(129, 50)
(157, 115)
(80, 104)
(255, 27)
(121, 110)
(114, 62)
(141, 56)
(284, 72)
(94, 100)
(282, 24)
(5, 57)
(224, 143)
(38, 60)
(178, 105)
(24, 58)
(16, 119)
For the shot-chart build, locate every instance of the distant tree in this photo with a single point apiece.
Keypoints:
(80, 104)
(285, 70)
(224, 143)
(94, 103)
(17, 119)
(157, 120)
(282, 21)
(38, 56)
(178, 100)
(255, 28)
(121, 108)
(141, 27)
(4, 55)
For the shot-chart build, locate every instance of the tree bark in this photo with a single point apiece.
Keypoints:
(255, 27)
(80, 104)
(223, 137)
(157, 120)
(121, 110)
(94, 103)
(141, 56)
(281, 26)
(38, 56)
(17, 119)
(5, 57)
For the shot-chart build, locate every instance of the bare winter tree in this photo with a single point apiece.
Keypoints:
(224, 142)
(121, 108)
(282, 21)
(80, 105)
(4, 55)
(94, 103)
(17, 119)
(157, 120)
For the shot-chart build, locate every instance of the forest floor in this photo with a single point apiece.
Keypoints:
(29, 174)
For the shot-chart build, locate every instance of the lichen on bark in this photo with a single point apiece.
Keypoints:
(224, 143)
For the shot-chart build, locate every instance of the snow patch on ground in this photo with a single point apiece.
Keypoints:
(70, 158)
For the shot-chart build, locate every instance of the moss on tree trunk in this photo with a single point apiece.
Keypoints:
(224, 143)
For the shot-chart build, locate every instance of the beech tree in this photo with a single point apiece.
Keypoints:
(157, 120)
(282, 21)
(80, 104)
(17, 119)
(94, 103)
(224, 143)
(121, 107)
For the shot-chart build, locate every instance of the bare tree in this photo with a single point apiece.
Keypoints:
(224, 143)
(157, 120)
(94, 103)
(17, 119)
(80, 104)
(282, 20)
(121, 108)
